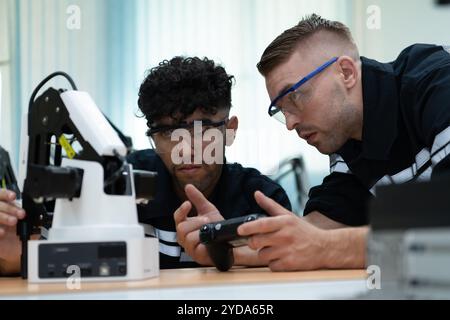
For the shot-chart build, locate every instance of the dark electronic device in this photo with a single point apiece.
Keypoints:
(221, 237)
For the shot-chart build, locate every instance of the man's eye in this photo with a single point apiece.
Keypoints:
(286, 100)
(297, 95)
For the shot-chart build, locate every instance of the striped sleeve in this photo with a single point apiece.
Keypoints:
(431, 113)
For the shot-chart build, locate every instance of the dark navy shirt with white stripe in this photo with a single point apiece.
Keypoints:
(406, 133)
(233, 197)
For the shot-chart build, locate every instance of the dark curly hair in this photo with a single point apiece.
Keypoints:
(178, 87)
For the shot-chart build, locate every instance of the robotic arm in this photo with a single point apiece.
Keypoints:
(76, 167)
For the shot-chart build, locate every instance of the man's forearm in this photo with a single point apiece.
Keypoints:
(323, 222)
(347, 248)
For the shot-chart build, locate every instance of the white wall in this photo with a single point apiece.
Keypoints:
(6, 108)
(403, 22)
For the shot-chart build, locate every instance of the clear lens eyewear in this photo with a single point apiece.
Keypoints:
(275, 110)
(164, 138)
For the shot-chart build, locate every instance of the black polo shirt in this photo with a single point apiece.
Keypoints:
(233, 197)
(406, 133)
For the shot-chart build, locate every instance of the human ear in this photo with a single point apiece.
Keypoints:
(231, 128)
(348, 70)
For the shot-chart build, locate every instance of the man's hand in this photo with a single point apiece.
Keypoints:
(285, 241)
(9, 212)
(10, 249)
(9, 241)
(188, 227)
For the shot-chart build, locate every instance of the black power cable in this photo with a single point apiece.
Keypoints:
(47, 79)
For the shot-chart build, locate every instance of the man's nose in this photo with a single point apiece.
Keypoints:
(191, 147)
(292, 121)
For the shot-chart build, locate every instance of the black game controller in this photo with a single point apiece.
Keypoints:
(221, 237)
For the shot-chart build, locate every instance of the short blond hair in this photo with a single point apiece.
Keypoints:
(283, 46)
